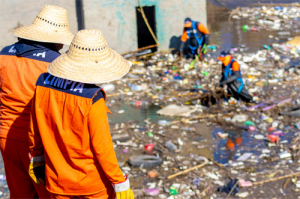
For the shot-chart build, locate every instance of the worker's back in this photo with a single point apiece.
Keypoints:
(72, 124)
(20, 66)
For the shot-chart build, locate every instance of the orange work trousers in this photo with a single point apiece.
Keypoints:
(16, 163)
(106, 194)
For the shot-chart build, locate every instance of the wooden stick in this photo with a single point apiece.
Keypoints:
(179, 95)
(205, 189)
(190, 169)
(232, 189)
(275, 179)
(113, 94)
(161, 51)
(143, 48)
(195, 192)
(286, 183)
(233, 12)
(146, 21)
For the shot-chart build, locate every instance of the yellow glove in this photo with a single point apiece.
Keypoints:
(37, 169)
(123, 190)
(128, 194)
(204, 49)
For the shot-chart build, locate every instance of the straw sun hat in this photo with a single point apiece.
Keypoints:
(89, 60)
(51, 25)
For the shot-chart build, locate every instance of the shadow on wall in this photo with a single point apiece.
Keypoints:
(175, 43)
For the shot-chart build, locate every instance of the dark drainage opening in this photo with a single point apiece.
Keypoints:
(144, 36)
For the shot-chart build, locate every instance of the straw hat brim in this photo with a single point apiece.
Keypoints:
(35, 33)
(113, 67)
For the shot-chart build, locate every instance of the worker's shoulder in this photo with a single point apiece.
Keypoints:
(235, 62)
(8, 50)
(235, 66)
(30, 52)
(198, 23)
(70, 87)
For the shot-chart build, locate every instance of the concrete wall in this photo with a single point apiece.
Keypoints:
(117, 19)
(16, 13)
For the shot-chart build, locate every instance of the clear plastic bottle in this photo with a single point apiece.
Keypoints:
(171, 146)
(163, 122)
(141, 103)
(188, 129)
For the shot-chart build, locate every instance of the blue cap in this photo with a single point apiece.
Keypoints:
(224, 53)
(187, 20)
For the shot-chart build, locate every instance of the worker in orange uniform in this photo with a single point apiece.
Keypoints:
(69, 131)
(198, 36)
(232, 77)
(20, 66)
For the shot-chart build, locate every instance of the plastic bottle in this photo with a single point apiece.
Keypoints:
(171, 146)
(161, 96)
(188, 129)
(297, 125)
(163, 122)
(195, 86)
(266, 47)
(141, 103)
(135, 88)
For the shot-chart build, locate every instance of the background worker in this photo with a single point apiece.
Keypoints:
(232, 77)
(198, 36)
(69, 130)
(20, 66)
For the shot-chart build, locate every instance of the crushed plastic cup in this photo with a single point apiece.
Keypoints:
(273, 138)
(152, 191)
(245, 28)
(152, 174)
(249, 123)
(149, 147)
(252, 128)
(150, 134)
(174, 189)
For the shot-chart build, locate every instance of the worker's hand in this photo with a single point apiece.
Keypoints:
(128, 194)
(37, 169)
(123, 190)
(217, 85)
(222, 83)
(204, 49)
(181, 55)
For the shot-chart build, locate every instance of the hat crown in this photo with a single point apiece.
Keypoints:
(50, 25)
(53, 16)
(89, 60)
(89, 43)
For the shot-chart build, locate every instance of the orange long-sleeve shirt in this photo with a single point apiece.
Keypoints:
(201, 28)
(235, 65)
(69, 125)
(20, 66)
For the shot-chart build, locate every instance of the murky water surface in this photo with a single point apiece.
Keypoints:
(240, 142)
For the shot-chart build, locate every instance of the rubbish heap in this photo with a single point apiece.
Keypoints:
(280, 18)
(207, 145)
